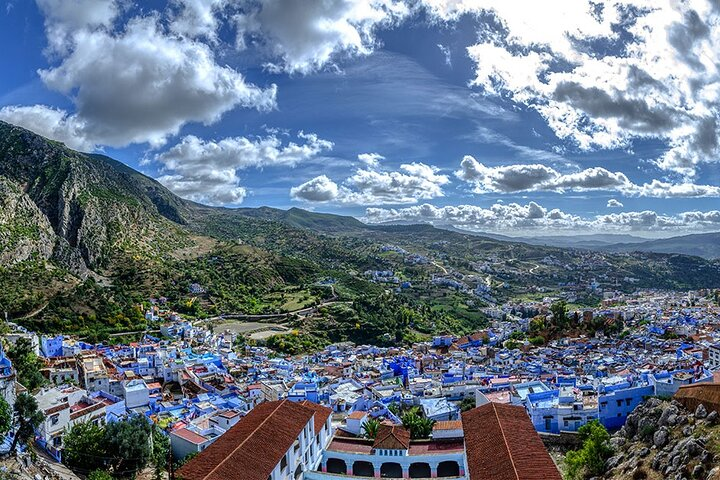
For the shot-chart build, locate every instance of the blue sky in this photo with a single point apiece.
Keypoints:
(580, 116)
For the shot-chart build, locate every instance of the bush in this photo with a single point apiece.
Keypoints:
(589, 460)
(99, 475)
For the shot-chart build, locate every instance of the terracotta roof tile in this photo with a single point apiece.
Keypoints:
(448, 425)
(190, 436)
(270, 428)
(357, 415)
(392, 437)
(694, 394)
(321, 414)
(502, 444)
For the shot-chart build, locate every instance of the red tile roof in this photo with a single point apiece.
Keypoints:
(252, 448)
(357, 415)
(321, 414)
(392, 437)
(502, 444)
(190, 436)
(448, 425)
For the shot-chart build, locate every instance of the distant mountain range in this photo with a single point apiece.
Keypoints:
(705, 245)
(85, 236)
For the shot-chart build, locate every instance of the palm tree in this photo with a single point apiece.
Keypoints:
(27, 418)
(419, 426)
(370, 428)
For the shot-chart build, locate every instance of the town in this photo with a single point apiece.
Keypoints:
(425, 410)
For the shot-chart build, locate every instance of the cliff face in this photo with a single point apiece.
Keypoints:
(662, 440)
(27, 233)
(85, 208)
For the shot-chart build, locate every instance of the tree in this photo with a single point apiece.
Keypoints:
(160, 451)
(559, 311)
(27, 418)
(5, 417)
(129, 443)
(468, 403)
(589, 460)
(99, 475)
(419, 426)
(27, 364)
(370, 428)
(84, 446)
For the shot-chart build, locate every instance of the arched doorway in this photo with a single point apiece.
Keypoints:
(391, 470)
(363, 469)
(448, 469)
(420, 470)
(335, 465)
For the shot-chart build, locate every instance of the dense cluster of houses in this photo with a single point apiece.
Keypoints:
(208, 395)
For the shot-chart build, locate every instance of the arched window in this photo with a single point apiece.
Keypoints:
(391, 470)
(448, 469)
(420, 470)
(363, 469)
(336, 465)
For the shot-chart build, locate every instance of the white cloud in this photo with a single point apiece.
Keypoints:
(206, 171)
(499, 216)
(139, 81)
(308, 35)
(538, 177)
(533, 217)
(371, 159)
(197, 18)
(447, 54)
(49, 122)
(415, 181)
(63, 17)
(612, 203)
(605, 73)
(318, 189)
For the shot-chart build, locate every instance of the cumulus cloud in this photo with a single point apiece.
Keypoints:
(371, 159)
(308, 35)
(534, 217)
(603, 74)
(538, 177)
(415, 181)
(51, 123)
(612, 203)
(63, 17)
(499, 216)
(206, 171)
(139, 81)
(318, 189)
(197, 18)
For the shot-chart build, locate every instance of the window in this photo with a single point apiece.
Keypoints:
(619, 403)
(54, 419)
(628, 401)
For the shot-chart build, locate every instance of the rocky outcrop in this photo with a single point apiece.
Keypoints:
(663, 440)
(76, 208)
(25, 232)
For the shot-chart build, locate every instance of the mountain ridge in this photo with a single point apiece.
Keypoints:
(86, 240)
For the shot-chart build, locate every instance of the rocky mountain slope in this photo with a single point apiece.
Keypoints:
(84, 239)
(662, 440)
(706, 245)
(98, 209)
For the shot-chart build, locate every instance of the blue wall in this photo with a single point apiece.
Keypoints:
(612, 415)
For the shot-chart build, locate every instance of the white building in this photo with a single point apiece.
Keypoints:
(276, 441)
(136, 393)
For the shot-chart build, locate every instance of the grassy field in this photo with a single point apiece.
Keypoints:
(289, 300)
